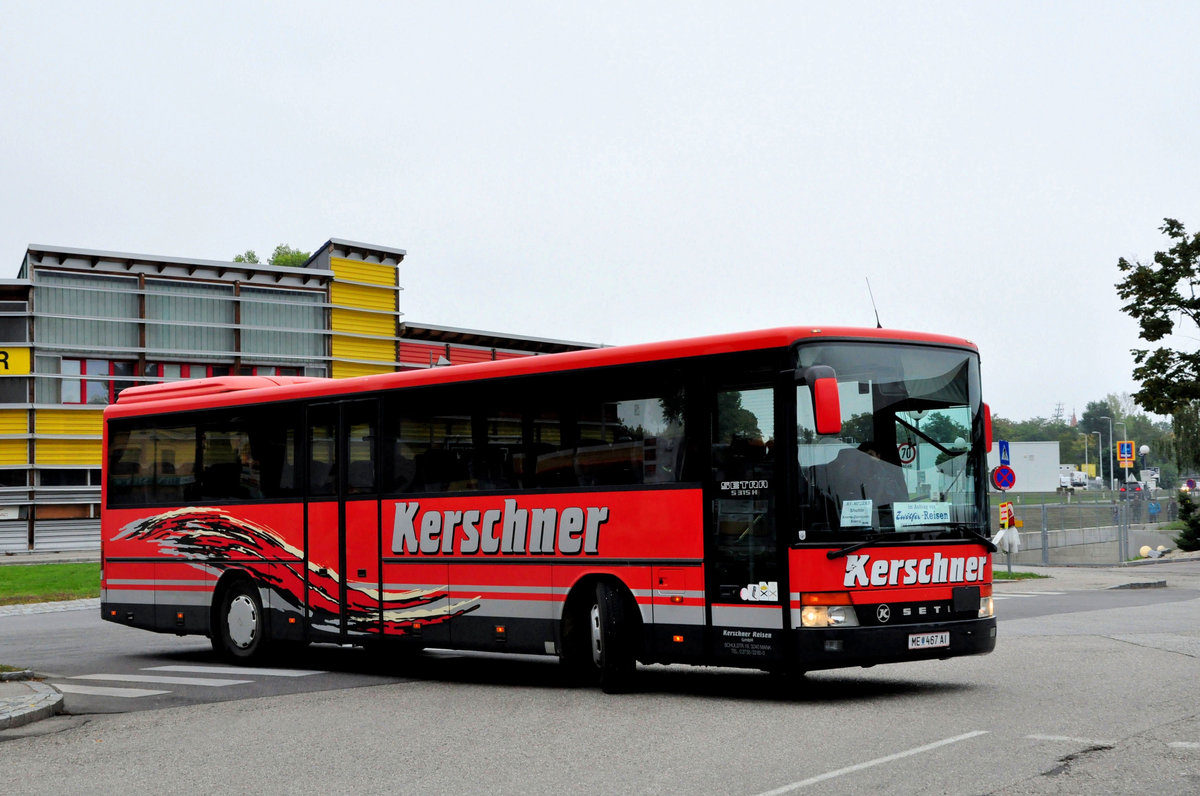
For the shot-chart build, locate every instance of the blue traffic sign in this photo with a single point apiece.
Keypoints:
(1004, 458)
(1125, 452)
(1003, 477)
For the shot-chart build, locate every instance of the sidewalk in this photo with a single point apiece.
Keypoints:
(68, 557)
(24, 700)
(1181, 572)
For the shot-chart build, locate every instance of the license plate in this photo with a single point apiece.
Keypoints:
(923, 641)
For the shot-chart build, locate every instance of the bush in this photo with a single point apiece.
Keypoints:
(1189, 537)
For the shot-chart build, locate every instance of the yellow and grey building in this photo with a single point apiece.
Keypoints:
(77, 326)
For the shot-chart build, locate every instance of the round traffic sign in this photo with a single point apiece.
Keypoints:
(907, 452)
(1003, 477)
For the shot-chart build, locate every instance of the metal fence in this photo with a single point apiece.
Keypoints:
(1061, 534)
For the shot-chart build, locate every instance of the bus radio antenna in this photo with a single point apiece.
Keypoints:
(878, 325)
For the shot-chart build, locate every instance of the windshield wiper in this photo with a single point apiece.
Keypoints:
(880, 537)
(848, 549)
(970, 529)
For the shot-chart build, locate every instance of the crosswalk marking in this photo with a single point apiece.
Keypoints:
(246, 670)
(158, 679)
(210, 682)
(99, 690)
(1008, 594)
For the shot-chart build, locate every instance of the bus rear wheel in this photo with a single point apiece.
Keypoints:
(240, 632)
(610, 636)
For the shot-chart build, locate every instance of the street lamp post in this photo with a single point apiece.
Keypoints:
(1111, 472)
(1124, 467)
(1145, 451)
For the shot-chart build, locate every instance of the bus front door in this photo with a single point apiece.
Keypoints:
(742, 570)
(343, 520)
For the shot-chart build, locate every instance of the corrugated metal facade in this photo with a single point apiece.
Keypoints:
(70, 308)
(279, 324)
(14, 451)
(193, 318)
(363, 319)
(14, 421)
(50, 451)
(67, 421)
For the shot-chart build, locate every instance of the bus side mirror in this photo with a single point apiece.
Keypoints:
(987, 427)
(827, 408)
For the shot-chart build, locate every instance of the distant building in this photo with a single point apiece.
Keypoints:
(78, 326)
(1036, 465)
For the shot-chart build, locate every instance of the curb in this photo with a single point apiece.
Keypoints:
(40, 702)
(24, 674)
(1153, 584)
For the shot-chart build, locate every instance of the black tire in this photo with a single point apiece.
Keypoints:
(239, 633)
(610, 632)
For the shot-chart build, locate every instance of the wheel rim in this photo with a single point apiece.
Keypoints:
(242, 621)
(597, 638)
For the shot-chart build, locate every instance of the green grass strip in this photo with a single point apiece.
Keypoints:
(39, 583)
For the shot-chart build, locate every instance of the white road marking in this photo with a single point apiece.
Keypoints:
(152, 678)
(1008, 594)
(99, 690)
(1183, 745)
(246, 670)
(877, 761)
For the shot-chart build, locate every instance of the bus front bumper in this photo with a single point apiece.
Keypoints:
(829, 648)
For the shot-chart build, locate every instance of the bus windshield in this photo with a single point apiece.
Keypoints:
(909, 458)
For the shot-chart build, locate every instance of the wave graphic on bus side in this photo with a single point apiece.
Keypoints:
(214, 539)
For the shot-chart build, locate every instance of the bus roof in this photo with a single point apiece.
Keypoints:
(232, 390)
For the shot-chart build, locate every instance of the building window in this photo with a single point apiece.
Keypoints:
(14, 390)
(174, 371)
(14, 477)
(95, 381)
(268, 370)
(68, 477)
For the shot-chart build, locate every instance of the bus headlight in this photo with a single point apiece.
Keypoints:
(828, 616)
(986, 609)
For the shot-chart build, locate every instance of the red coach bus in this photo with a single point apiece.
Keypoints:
(791, 499)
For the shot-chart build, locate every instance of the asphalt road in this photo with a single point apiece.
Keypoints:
(1088, 692)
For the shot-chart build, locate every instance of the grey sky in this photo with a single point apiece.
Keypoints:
(624, 172)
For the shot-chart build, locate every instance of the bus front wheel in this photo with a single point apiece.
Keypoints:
(240, 634)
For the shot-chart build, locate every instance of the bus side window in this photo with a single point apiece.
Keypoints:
(744, 444)
(322, 461)
(427, 443)
(360, 469)
(500, 452)
(552, 450)
(626, 441)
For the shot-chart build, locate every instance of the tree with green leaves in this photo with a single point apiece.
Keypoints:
(283, 255)
(287, 256)
(1189, 537)
(1161, 296)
